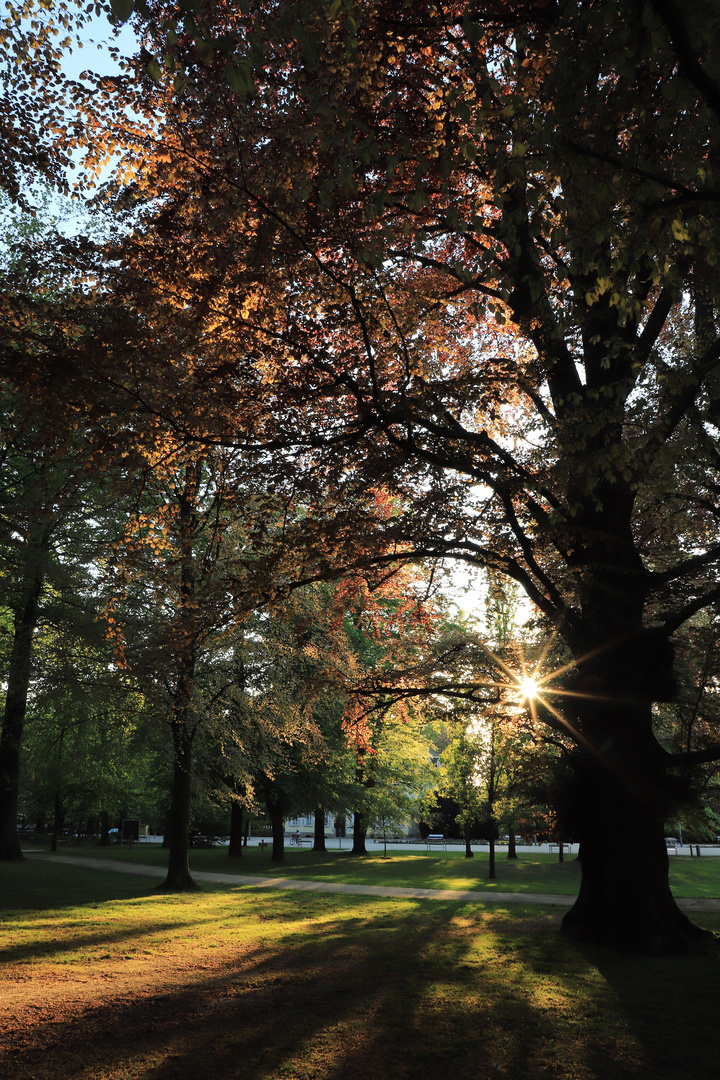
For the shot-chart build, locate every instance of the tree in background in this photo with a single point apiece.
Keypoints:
(54, 520)
(174, 588)
(461, 780)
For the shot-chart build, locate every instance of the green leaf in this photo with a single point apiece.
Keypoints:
(239, 76)
(154, 70)
(121, 9)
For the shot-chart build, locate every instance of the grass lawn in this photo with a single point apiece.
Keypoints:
(105, 980)
(437, 870)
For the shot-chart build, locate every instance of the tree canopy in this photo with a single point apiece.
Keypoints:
(460, 253)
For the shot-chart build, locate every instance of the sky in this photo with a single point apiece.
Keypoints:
(97, 36)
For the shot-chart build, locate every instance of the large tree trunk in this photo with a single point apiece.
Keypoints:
(622, 796)
(625, 899)
(621, 793)
(469, 853)
(18, 682)
(319, 830)
(512, 847)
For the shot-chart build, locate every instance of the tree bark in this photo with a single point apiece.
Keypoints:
(58, 818)
(104, 840)
(178, 877)
(492, 875)
(622, 797)
(319, 830)
(236, 830)
(18, 682)
(277, 822)
(469, 853)
(359, 835)
(512, 847)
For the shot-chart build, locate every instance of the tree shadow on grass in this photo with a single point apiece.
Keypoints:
(27, 886)
(668, 1006)
(342, 988)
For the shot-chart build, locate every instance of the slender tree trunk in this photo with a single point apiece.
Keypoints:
(561, 851)
(236, 830)
(104, 829)
(178, 874)
(58, 818)
(492, 875)
(512, 847)
(18, 682)
(277, 822)
(319, 830)
(469, 853)
(364, 776)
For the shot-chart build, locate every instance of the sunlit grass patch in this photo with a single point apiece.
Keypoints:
(111, 981)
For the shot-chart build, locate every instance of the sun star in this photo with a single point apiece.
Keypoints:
(528, 686)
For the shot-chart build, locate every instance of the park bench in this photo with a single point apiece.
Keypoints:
(435, 839)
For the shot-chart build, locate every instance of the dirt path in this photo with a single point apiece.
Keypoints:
(302, 885)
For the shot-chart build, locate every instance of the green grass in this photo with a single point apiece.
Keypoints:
(236, 983)
(437, 870)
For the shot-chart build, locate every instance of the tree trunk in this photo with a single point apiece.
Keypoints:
(359, 835)
(236, 830)
(104, 829)
(18, 682)
(178, 874)
(319, 830)
(277, 822)
(621, 801)
(512, 848)
(491, 793)
(469, 853)
(561, 851)
(58, 818)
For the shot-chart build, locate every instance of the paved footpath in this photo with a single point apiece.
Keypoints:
(301, 885)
